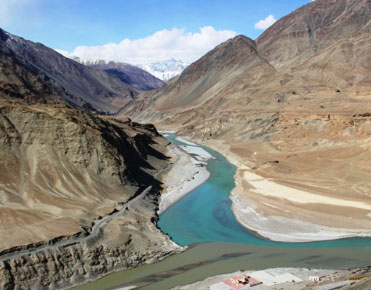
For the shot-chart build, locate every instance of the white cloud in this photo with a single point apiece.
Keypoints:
(65, 53)
(265, 23)
(162, 45)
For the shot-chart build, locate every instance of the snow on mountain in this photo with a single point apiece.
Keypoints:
(91, 62)
(165, 70)
(87, 62)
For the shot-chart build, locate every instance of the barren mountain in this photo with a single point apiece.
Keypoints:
(293, 107)
(79, 85)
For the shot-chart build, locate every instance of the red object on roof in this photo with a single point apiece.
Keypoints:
(240, 281)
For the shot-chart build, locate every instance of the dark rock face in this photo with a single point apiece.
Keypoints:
(22, 82)
(47, 152)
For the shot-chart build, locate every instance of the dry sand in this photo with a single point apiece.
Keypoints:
(188, 172)
(269, 188)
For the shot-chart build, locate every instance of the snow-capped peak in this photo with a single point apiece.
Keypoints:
(165, 70)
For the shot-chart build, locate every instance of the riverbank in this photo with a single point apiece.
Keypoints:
(187, 173)
(280, 212)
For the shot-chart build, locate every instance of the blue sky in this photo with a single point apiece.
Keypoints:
(67, 24)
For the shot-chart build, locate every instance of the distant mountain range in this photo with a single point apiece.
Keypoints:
(130, 74)
(165, 70)
(96, 85)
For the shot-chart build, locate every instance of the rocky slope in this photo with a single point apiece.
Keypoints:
(66, 172)
(132, 75)
(293, 106)
(79, 85)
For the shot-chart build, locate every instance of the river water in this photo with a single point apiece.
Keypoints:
(204, 220)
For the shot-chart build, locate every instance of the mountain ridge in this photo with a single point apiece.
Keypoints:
(77, 84)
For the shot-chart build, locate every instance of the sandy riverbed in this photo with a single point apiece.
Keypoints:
(188, 172)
